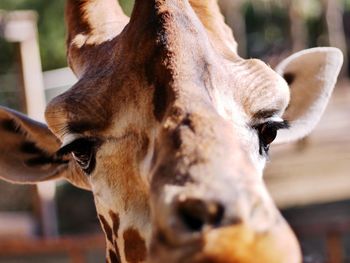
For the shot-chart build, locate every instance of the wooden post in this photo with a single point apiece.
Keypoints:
(334, 248)
(77, 256)
(334, 17)
(297, 26)
(21, 27)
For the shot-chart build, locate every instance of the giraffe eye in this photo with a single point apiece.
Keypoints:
(83, 151)
(267, 134)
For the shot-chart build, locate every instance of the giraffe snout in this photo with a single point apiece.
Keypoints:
(222, 231)
(196, 214)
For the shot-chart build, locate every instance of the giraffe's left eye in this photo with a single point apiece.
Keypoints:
(83, 151)
(267, 134)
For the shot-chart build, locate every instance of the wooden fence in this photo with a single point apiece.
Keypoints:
(75, 249)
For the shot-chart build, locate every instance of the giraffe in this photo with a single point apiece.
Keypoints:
(170, 129)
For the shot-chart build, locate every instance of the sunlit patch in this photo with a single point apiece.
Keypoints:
(106, 228)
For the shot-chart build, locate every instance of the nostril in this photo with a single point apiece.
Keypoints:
(195, 213)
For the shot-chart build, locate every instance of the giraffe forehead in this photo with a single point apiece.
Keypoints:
(105, 101)
(258, 88)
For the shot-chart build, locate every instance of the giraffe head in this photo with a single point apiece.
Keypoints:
(170, 129)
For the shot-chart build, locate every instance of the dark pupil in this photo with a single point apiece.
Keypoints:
(268, 135)
(83, 156)
(83, 153)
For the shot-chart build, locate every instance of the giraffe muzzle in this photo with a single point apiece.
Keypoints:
(232, 244)
(201, 230)
(242, 244)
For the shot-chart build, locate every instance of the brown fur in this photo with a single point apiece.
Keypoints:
(113, 256)
(116, 223)
(135, 246)
(106, 228)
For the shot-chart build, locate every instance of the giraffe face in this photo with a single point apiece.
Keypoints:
(170, 130)
(174, 138)
(179, 157)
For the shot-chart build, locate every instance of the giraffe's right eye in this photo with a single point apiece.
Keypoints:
(83, 151)
(267, 133)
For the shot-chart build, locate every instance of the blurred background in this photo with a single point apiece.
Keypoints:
(310, 180)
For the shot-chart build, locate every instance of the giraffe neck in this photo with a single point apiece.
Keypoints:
(125, 242)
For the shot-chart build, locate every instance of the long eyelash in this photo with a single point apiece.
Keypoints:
(278, 125)
(78, 143)
(272, 125)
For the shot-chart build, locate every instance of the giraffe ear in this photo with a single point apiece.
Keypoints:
(28, 152)
(311, 75)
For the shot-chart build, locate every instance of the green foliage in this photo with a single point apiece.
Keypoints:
(267, 29)
(347, 4)
(267, 24)
(127, 5)
(51, 28)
